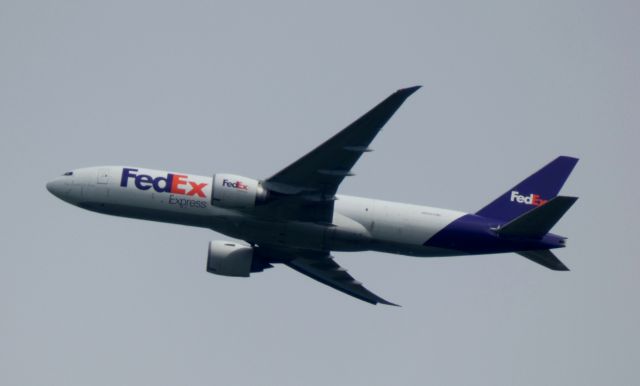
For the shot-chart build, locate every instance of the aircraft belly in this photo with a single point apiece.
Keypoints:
(413, 250)
(145, 213)
(293, 234)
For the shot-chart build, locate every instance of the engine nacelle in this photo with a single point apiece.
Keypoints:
(232, 191)
(229, 258)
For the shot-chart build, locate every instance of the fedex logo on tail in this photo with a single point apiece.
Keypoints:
(532, 199)
(172, 183)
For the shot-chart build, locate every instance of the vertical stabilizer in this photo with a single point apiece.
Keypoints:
(532, 192)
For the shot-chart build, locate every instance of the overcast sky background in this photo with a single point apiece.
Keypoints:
(247, 88)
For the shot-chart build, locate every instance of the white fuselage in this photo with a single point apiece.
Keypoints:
(358, 223)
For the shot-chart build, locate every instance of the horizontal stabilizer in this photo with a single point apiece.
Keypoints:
(546, 258)
(539, 221)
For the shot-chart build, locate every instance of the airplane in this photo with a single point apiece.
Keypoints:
(296, 218)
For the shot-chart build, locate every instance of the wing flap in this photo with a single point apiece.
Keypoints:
(324, 269)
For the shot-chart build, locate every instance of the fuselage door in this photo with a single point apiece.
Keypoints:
(103, 176)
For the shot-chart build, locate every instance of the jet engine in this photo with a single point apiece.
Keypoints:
(237, 192)
(228, 258)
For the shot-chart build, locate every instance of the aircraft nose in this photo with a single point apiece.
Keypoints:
(67, 188)
(56, 187)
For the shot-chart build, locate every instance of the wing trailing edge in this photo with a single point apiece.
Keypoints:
(325, 270)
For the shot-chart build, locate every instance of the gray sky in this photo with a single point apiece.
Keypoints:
(205, 87)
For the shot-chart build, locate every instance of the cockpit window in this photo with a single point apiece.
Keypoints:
(68, 174)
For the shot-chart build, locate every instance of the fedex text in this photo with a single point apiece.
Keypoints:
(172, 183)
(532, 199)
(237, 185)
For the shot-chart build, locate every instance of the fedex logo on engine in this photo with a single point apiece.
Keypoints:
(172, 183)
(236, 185)
(532, 199)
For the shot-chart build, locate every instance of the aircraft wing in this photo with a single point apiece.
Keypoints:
(317, 175)
(322, 267)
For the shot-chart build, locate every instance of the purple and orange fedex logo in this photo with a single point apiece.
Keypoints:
(532, 199)
(172, 183)
(236, 185)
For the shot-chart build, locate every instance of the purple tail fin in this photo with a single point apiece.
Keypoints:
(534, 191)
